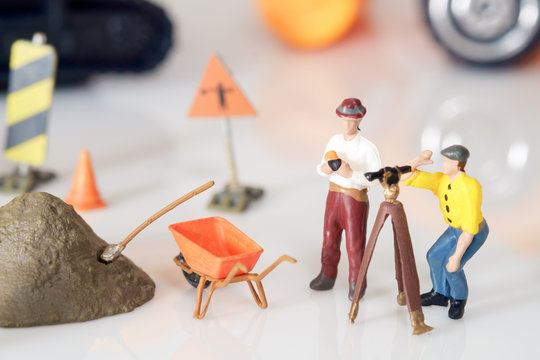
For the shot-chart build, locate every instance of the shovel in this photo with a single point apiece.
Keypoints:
(112, 251)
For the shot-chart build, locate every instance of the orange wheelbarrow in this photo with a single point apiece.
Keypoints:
(214, 253)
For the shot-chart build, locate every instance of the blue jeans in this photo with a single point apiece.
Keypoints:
(446, 283)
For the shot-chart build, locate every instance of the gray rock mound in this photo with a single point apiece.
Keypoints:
(49, 268)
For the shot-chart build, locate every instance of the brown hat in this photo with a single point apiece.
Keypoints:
(351, 108)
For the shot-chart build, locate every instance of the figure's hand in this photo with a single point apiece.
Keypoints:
(453, 264)
(325, 168)
(345, 170)
(424, 158)
(463, 243)
(425, 155)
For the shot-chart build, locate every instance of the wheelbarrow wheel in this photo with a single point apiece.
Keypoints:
(484, 32)
(193, 279)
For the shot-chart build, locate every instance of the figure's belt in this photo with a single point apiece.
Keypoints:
(480, 226)
(358, 195)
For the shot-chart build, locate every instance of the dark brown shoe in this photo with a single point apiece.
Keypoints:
(434, 298)
(322, 282)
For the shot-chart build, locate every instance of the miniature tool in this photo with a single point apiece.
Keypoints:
(112, 252)
(406, 274)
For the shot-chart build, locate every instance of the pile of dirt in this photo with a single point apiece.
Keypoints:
(49, 268)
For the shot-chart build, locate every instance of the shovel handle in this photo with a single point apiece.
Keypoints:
(165, 210)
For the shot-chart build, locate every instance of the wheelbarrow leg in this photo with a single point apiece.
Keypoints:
(198, 314)
(260, 297)
(198, 298)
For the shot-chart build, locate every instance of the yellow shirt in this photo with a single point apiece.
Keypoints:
(460, 200)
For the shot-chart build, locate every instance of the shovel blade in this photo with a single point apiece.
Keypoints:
(111, 253)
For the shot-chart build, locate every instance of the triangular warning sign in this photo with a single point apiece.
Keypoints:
(218, 95)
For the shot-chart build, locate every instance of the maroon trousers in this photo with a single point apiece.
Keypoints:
(344, 213)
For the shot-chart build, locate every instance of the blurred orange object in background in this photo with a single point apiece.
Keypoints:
(310, 24)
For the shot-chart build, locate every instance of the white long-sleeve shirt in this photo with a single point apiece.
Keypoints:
(362, 156)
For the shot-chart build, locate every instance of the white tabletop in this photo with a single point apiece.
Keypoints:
(146, 153)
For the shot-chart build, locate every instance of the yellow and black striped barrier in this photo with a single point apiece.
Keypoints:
(29, 99)
(30, 93)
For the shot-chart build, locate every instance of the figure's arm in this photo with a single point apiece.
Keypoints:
(424, 158)
(472, 194)
(323, 168)
(345, 170)
(473, 198)
(463, 243)
(372, 163)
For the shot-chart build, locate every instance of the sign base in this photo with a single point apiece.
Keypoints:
(235, 200)
(23, 183)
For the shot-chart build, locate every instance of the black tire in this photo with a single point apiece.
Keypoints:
(484, 32)
(193, 279)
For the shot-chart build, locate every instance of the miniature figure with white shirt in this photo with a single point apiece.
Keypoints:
(347, 157)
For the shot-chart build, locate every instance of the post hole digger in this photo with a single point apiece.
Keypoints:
(112, 251)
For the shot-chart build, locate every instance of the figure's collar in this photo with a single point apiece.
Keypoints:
(457, 176)
(351, 138)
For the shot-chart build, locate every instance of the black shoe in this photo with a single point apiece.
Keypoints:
(457, 308)
(352, 287)
(322, 282)
(434, 298)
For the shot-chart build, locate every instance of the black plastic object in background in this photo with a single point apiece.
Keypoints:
(90, 36)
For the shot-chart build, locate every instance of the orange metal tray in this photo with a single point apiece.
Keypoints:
(212, 246)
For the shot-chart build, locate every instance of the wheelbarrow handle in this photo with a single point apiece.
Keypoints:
(165, 210)
(281, 259)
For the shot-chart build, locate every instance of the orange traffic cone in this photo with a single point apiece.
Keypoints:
(84, 194)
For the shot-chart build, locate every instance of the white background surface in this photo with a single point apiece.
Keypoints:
(146, 153)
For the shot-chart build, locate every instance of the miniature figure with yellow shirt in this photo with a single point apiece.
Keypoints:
(460, 200)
